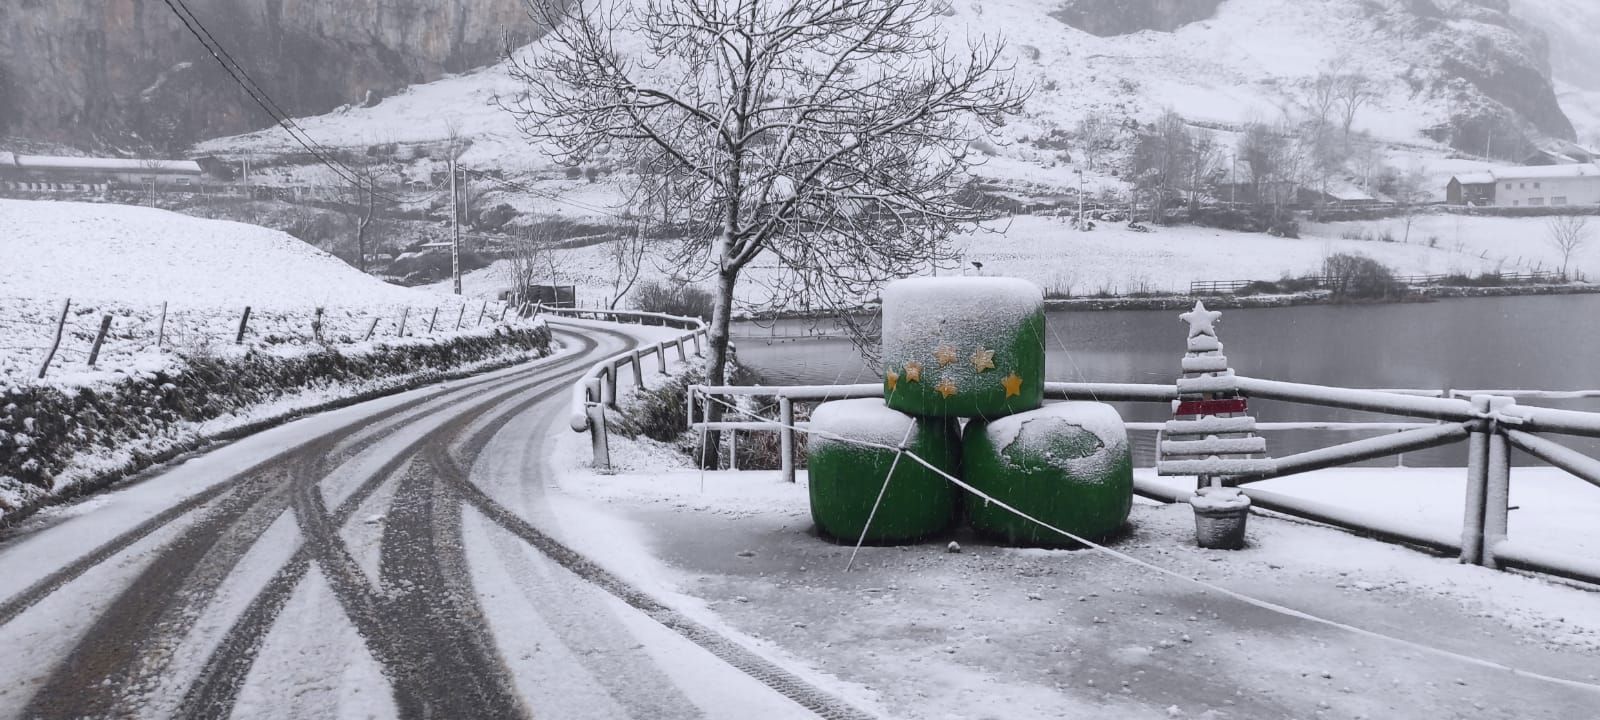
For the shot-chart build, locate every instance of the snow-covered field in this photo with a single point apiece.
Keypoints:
(1115, 259)
(126, 261)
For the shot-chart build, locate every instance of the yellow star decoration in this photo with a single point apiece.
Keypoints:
(892, 378)
(913, 371)
(1013, 384)
(945, 354)
(983, 360)
(946, 387)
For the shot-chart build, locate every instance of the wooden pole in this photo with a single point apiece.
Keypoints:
(370, 330)
(244, 321)
(99, 338)
(460, 316)
(316, 325)
(54, 345)
(481, 311)
(400, 331)
(161, 327)
(503, 313)
(433, 319)
(786, 438)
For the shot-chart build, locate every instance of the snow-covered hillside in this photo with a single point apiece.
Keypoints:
(141, 255)
(1252, 61)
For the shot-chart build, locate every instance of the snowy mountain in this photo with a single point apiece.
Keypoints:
(1469, 75)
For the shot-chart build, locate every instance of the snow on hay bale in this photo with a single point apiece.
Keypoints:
(846, 478)
(1067, 464)
(963, 347)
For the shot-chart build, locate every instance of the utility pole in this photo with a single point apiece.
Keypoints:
(455, 223)
(1081, 226)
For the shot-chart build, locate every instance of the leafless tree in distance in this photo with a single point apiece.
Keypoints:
(830, 136)
(1568, 235)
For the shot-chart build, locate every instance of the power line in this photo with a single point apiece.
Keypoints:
(242, 78)
(323, 155)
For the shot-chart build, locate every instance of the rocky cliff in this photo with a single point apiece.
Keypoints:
(127, 72)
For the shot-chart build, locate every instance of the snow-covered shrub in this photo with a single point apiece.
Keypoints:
(147, 416)
(1358, 277)
(673, 299)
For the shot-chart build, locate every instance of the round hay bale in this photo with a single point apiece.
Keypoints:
(963, 347)
(845, 478)
(1067, 464)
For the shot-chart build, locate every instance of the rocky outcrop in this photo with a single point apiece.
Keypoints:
(127, 72)
(1122, 17)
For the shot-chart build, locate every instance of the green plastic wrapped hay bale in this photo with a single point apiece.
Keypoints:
(846, 478)
(963, 347)
(1067, 464)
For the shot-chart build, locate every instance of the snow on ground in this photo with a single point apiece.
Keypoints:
(126, 261)
(1507, 244)
(998, 632)
(1112, 258)
(142, 255)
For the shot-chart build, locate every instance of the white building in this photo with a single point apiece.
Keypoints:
(1540, 186)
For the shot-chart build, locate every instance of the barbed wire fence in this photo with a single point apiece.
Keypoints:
(40, 338)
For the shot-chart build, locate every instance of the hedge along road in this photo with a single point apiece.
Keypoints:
(394, 558)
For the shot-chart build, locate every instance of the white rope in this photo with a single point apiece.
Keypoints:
(1263, 604)
(881, 492)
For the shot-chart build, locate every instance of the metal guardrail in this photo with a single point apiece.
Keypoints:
(597, 388)
(1489, 421)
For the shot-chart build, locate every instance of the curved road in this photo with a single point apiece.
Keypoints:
(392, 559)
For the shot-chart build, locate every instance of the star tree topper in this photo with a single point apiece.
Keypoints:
(1201, 321)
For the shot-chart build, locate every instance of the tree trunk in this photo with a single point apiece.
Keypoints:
(717, 360)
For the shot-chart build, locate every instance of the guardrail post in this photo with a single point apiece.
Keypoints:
(661, 357)
(1477, 480)
(608, 387)
(697, 351)
(638, 369)
(786, 437)
(682, 356)
(599, 437)
(733, 449)
(1497, 491)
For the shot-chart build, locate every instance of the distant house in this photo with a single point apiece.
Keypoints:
(1560, 152)
(42, 172)
(1527, 186)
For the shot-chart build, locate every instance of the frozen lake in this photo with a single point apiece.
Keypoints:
(1539, 342)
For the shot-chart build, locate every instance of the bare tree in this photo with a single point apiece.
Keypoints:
(528, 261)
(1097, 135)
(831, 135)
(626, 252)
(1410, 191)
(1274, 161)
(1354, 91)
(1163, 161)
(1568, 235)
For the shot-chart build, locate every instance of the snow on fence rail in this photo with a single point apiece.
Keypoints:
(597, 389)
(1490, 422)
(56, 339)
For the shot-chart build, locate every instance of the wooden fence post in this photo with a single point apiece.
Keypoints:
(682, 356)
(54, 345)
(400, 331)
(161, 327)
(661, 357)
(316, 325)
(370, 330)
(786, 437)
(481, 311)
(99, 338)
(460, 316)
(503, 310)
(244, 321)
(638, 368)
(433, 319)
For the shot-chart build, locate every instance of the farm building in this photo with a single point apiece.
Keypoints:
(42, 172)
(1527, 186)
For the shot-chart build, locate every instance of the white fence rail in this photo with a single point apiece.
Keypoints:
(1490, 423)
(597, 388)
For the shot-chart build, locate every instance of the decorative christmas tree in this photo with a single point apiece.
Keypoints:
(1211, 436)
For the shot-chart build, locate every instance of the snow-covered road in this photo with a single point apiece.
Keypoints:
(394, 558)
